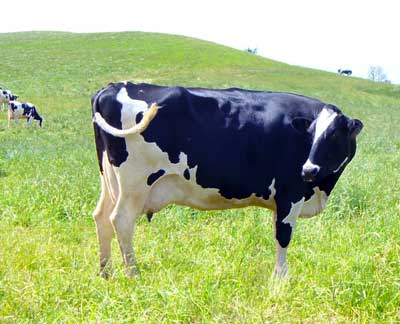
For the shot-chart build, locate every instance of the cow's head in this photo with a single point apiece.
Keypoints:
(12, 105)
(333, 143)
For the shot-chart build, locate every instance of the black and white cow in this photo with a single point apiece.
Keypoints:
(17, 110)
(6, 96)
(346, 72)
(214, 149)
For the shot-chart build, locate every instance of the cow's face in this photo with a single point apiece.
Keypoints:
(333, 144)
(12, 105)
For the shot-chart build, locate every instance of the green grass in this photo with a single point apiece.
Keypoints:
(197, 267)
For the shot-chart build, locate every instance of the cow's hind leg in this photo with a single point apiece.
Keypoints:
(129, 207)
(104, 228)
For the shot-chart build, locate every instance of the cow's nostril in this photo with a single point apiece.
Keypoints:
(308, 177)
(310, 172)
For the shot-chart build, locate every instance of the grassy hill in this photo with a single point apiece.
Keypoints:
(195, 266)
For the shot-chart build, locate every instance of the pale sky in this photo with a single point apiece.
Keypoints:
(326, 35)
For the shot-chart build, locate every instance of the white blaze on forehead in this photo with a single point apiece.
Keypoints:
(324, 119)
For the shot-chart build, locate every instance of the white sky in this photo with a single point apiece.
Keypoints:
(327, 35)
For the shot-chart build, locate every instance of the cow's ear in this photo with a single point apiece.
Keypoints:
(355, 127)
(301, 124)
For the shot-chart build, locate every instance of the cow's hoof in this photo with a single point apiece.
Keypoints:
(105, 273)
(105, 270)
(281, 272)
(132, 272)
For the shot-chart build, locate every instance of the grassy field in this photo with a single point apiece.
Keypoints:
(196, 267)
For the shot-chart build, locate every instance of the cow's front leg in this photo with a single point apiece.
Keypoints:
(9, 117)
(123, 219)
(283, 234)
(284, 220)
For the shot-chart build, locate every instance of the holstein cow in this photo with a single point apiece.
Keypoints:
(214, 149)
(346, 72)
(5, 97)
(17, 110)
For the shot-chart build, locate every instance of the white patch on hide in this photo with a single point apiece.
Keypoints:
(294, 213)
(130, 108)
(272, 189)
(307, 208)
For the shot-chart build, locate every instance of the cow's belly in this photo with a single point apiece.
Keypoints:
(176, 189)
(17, 113)
(146, 158)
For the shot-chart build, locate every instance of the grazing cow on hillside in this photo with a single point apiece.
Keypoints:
(214, 149)
(5, 97)
(17, 110)
(346, 72)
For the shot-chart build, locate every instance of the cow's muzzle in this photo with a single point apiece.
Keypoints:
(309, 172)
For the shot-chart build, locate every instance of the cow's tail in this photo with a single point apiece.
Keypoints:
(148, 116)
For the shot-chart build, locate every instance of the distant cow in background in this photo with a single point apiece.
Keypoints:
(3, 99)
(17, 110)
(346, 72)
(6, 96)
